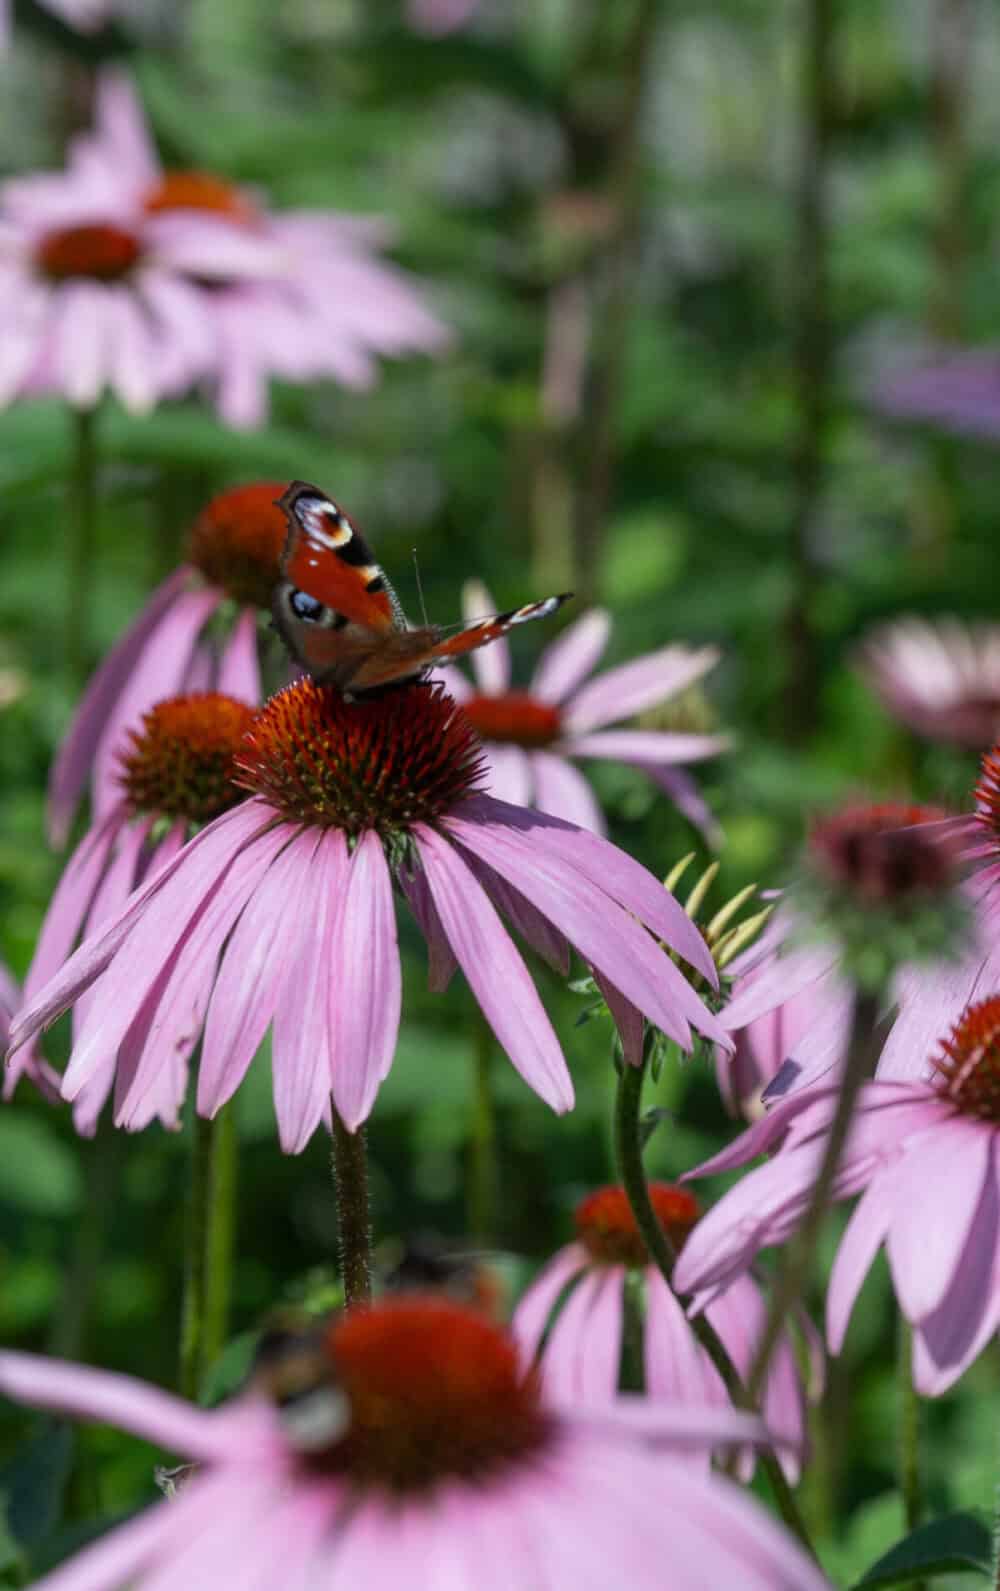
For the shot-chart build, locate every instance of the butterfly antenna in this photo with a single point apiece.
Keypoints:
(420, 589)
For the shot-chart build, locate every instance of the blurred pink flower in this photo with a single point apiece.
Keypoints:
(925, 1156)
(84, 15)
(580, 1351)
(231, 565)
(174, 774)
(420, 1456)
(958, 390)
(284, 909)
(300, 294)
(439, 17)
(532, 735)
(942, 679)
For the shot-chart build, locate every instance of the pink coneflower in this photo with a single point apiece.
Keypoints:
(439, 17)
(790, 1011)
(925, 1157)
(175, 774)
(299, 294)
(283, 909)
(581, 1348)
(198, 631)
(942, 679)
(415, 1451)
(533, 736)
(958, 391)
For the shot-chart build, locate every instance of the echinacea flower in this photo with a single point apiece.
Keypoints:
(790, 1009)
(956, 390)
(416, 1452)
(940, 678)
(283, 909)
(534, 736)
(924, 1156)
(300, 294)
(175, 775)
(198, 631)
(438, 17)
(573, 1317)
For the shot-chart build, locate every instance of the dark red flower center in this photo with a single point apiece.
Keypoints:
(181, 762)
(988, 794)
(516, 718)
(968, 1067)
(384, 763)
(103, 253)
(433, 1392)
(880, 853)
(607, 1228)
(199, 190)
(237, 541)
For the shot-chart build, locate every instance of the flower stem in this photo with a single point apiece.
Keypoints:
(908, 1437)
(350, 1175)
(797, 1256)
(195, 1257)
(82, 550)
(220, 1231)
(628, 1149)
(482, 1186)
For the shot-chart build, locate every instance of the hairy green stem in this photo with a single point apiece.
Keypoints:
(908, 1437)
(220, 1232)
(797, 1256)
(82, 548)
(100, 1161)
(191, 1363)
(350, 1176)
(628, 1147)
(482, 1174)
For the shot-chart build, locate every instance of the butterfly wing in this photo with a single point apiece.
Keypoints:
(401, 656)
(327, 557)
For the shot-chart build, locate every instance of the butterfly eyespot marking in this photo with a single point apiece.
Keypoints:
(310, 611)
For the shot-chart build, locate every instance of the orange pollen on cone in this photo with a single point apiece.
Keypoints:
(516, 717)
(606, 1226)
(103, 253)
(879, 853)
(237, 541)
(987, 794)
(181, 763)
(968, 1067)
(435, 1392)
(199, 190)
(383, 763)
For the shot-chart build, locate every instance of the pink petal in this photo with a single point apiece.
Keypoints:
(122, 128)
(366, 988)
(491, 664)
(441, 963)
(611, 869)
(603, 932)
(777, 983)
(73, 761)
(158, 672)
(531, 1317)
(859, 1245)
(534, 929)
(675, 1369)
(301, 1051)
(935, 1199)
(134, 374)
(239, 670)
(257, 961)
(626, 1017)
(71, 902)
(80, 341)
(571, 656)
(947, 1341)
(581, 1358)
(565, 793)
(689, 801)
(508, 773)
(632, 687)
(495, 972)
(646, 746)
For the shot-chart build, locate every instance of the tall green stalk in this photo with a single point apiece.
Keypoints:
(350, 1175)
(482, 1170)
(195, 1257)
(208, 1248)
(81, 553)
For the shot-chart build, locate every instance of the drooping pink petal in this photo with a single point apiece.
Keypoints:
(71, 902)
(931, 1000)
(507, 773)
(675, 1367)
(604, 932)
(366, 983)
(738, 1315)
(441, 963)
(681, 789)
(76, 753)
(779, 981)
(859, 1245)
(256, 964)
(610, 869)
(494, 970)
(936, 1197)
(628, 1019)
(561, 790)
(632, 687)
(581, 1359)
(568, 660)
(301, 1057)
(533, 927)
(239, 669)
(531, 1317)
(646, 747)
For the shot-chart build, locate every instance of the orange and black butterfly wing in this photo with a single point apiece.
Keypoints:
(401, 656)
